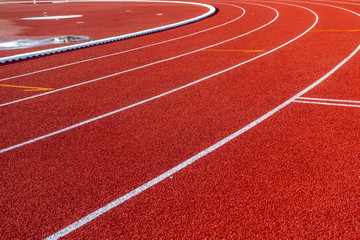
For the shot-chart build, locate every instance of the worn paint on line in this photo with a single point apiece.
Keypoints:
(27, 89)
(229, 50)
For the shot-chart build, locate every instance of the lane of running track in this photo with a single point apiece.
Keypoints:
(121, 91)
(294, 176)
(136, 145)
(113, 64)
(81, 177)
(25, 67)
(25, 219)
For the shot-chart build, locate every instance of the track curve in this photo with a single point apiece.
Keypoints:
(238, 155)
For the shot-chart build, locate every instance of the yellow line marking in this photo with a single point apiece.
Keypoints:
(354, 30)
(225, 50)
(27, 89)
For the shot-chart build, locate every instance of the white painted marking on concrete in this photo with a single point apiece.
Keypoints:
(51, 17)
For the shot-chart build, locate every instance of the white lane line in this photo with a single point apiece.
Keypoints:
(163, 94)
(328, 100)
(339, 2)
(345, 9)
(147, 65)
(191, 160)
(211, 11)
(130, 50)
(327, 103)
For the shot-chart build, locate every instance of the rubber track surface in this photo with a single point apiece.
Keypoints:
(294, 175)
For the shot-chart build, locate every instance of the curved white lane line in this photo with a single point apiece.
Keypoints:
(117, 38)
(163, 94)
(146, 65)
(351, 3)
(193, 159)
(324, 4)
(130, 50)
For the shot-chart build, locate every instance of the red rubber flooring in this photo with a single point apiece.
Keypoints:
(219, 126)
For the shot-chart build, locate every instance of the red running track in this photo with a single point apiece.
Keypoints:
(293, 173)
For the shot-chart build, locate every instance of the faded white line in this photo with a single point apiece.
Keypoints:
(327, 103)
(150, 64)
(126, 51)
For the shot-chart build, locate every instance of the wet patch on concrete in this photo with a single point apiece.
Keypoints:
(30, 42)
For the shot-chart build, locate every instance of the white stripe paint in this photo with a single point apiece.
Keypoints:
(328, 100)
(328, 103)
(51, 17)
